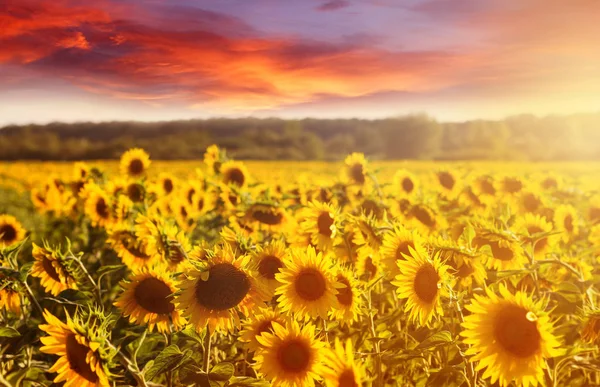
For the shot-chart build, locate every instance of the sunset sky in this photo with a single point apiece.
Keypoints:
(178, 59)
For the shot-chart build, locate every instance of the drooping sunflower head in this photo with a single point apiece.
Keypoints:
(405, 184)
(465, 261)
(534, 230)
(349, 302)
(134, 162)
(269, 217)
(260, 322)
(422, 282)
(355, 169)
(321, 222)
(366, 231)
(510, 336)
(290, 356)
(567, 220)
(269, 260)
(214, 293)
(80, 362)
(147, 299)
(308, 287)
(51, 267)
(368, 264)
(341, 368)
(591, 327)
(397, 244)
(11, 231)
(234, 173)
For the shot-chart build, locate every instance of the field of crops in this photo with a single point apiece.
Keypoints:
(226, 273)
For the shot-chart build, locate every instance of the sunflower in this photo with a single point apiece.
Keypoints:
(591, 327)
(260, 322)
(234, 173)
(165, 185)
(134, 162)
(97, 206)
(132, 250)
(269, 217)
(355, 170)
(212, 159)
(135, 191)
(509, 336)
(214, 294)
(10, 299)
(484, 188)
(465, 261)
(405, 184)
(321, 222)
(531, 227)
(425, 219)
(308, 287)
(269, 260)
(11, 231)
(368, 264)
(80, 363)
(396, 246)
(50, 268)
(341, 369)
(348, 306)
(503, 250)
(290, 356)
(146, 299)
(447, 183)
(511, 185)
(421, 281)
(566, 219)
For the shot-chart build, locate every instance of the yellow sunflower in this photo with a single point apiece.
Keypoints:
(212, 159)
(510, 337)
(234, 173)
(132, 250)
(503, 250)
(591, 327)
(10, 299)
(405, 184)
(269, 217)
(355, 169)
(422, 283)
(321, 222)
(425, 219)
(511, 185)
(348, 307)
(214, 294)
(134, 162)
(396, 246)
(566, 220)
(97, 206)
(48, 266)
(290, 356)
(484, 188)
(308, 287)
(11, 231)
(368, 264)
(165, 185)
(269, 259)
(260, 322)
(341, 369)
(466, 262)
(80, 364)
(448, 183)
(147, 299)
(531, 227)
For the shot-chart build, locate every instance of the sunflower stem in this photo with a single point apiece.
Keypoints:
(89, 277)
(32, 298)
(377, 343)
(207, 350)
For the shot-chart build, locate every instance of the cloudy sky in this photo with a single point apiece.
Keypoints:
(170, 59)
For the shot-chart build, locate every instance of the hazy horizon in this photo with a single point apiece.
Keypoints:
(161, 61)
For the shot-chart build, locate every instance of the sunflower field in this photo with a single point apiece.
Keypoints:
(222, 273)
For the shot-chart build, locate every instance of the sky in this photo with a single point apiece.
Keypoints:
(150, 60)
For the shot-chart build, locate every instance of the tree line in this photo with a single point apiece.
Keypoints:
(524, 137)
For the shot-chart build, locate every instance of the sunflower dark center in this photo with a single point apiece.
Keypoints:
(50, 270)
(594, 214)
(370, 268)
(225, 288)
(549, 183)
(76, 355)
(267, 217)
(324, 223)
(423, 216)
(7, 233)
(515, 332)
(403, 249)
(358, 174)
(233, 199)
(102, 208)
(136, 167)
(132, 246)
(134, 192)
(487, 187)
(500, 252)
(465, 270)
(294, 356)
(235, 176)
(426, 283)
(568, 223)
(408, 185)
(153, 295)
(168, 185)
(541, 243)
(310, 284)
(512, 185)
(269, 266)
(344, 295)
(190, 195)
(176, 253)
(347, 379)
(264, 326)
(530, 202)
(446, 180)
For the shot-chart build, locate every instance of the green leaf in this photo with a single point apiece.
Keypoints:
(169, 359)
(9, 332)
(241, 381)
(448, 376)
(191, 332)
(222, 371)
(437, 339)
